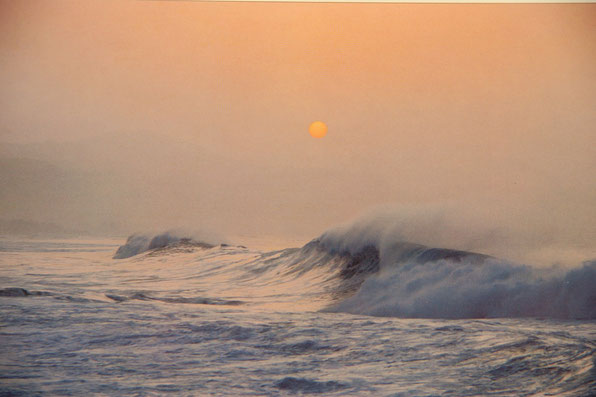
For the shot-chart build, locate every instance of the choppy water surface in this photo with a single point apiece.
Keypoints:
(228, 320)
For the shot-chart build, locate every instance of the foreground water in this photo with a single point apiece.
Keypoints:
(230, 320)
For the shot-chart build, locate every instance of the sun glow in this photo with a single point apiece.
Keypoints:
(318, 129)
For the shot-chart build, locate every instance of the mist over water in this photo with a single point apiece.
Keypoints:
(123, 185)
(456, 226)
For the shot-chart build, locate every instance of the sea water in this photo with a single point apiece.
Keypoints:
(183, 319)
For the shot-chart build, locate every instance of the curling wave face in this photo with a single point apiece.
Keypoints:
(416, 281)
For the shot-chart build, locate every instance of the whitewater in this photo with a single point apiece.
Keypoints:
(349, 313)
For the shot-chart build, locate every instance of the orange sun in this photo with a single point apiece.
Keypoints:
(318, 129)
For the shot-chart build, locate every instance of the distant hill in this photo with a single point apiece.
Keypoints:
(21, 227)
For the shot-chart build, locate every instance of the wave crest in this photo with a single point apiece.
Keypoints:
(417, 281)
(139, 243)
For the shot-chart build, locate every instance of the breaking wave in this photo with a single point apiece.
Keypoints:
(396, 278)
(139, 243)
(415, 281)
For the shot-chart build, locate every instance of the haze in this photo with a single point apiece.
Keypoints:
(118, 117)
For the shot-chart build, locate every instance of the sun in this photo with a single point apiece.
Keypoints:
(318, 129)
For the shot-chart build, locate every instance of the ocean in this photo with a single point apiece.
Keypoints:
(166, 315)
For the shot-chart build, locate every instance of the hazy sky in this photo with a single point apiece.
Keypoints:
(159, 114)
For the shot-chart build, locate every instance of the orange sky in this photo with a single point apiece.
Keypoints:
(490, 104)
